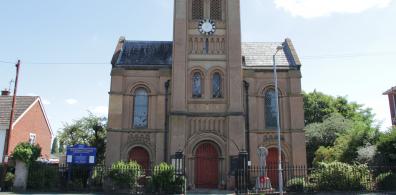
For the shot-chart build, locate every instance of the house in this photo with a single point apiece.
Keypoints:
(205, 94)
(30, 123)
(391, 93)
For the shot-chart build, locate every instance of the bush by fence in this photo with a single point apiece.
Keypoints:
(165, 180)
(125, 177)
(326, 177)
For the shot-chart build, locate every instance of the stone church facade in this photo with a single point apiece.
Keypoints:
(205, 94)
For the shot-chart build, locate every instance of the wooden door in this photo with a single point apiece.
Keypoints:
(141, 156)
(206, 166)
(272, 166)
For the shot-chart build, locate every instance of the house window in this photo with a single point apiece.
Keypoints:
(32, 138)
(140, 108)
(197, 9)
(216, 86)
(215, 10)
(197, 85)
(270, 109)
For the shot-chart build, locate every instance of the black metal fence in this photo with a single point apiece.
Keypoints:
(46, 177)
(324, 178)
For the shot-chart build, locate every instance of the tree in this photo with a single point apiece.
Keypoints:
(324, 134)
(328, 118)
(347, 145)
(386, 146)
(319, 106)
(90, 130)
(55, 146)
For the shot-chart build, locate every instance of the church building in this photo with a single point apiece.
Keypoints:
(205, 94)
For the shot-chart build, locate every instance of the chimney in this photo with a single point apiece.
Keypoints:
(5, 92)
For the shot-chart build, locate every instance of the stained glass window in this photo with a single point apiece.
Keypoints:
(215, 10)
(140, 109)
(197, 9)
(197, 85)
(216, 85)
(270, 109)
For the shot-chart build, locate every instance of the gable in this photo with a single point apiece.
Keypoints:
(22, 104)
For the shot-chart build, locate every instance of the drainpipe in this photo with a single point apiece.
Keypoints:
(167, 83)
(247, 125)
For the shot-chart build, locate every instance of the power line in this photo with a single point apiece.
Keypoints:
(308, 57)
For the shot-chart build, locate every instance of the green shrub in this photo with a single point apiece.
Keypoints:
(125, 174)
(26, 152)
(9, 180)
(165, 181)
(299, 184)
(337, 176)
(386, 181)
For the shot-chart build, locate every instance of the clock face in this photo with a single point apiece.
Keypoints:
(206, 27)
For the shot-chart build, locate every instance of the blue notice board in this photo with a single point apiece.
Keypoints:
(81, 154)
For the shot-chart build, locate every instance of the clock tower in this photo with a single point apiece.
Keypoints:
(206, 110)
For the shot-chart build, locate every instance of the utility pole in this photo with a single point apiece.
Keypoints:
(8, 132)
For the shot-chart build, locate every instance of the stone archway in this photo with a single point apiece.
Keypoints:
(141, 156)
(207, 166)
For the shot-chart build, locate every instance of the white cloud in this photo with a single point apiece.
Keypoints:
(99, 110)
(318, 8)
(71, 101)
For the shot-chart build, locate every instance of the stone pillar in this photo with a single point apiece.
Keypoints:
(21, 176)
(113, 149)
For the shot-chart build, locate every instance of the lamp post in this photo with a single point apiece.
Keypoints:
(280, 177)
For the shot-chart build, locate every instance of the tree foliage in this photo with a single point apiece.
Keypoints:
(90, 130)
(337, 129)
(319, 106)
(55, 146)
(386, 146)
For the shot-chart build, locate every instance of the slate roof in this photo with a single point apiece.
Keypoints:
(157, 54)
(146, 53)
(22, 103)
(390, 91)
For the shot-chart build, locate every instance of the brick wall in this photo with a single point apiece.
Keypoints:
(32, 122)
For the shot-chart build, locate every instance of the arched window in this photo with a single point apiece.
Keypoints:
(140, 109)
(197, 85)
(270, 109)
(197, 9)
(215, 10)
(216, 86)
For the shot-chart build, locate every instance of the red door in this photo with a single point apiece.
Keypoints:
(206, 166)
(272, 166)
(141, 156)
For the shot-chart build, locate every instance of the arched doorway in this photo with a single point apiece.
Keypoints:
(206, 166)
(272, 166)
(141, 156)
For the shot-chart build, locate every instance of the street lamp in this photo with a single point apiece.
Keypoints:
(280, 177)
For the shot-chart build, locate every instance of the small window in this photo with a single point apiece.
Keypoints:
(197, 85)
(215, 10)
(32, 138)
(216, 86)
(197, 9)
(140, 109)
(270, 109)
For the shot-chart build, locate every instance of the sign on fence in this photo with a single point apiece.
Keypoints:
(81, 154)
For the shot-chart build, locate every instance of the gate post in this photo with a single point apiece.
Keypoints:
(242, 172)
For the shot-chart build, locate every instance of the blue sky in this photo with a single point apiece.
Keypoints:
(347, 47)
